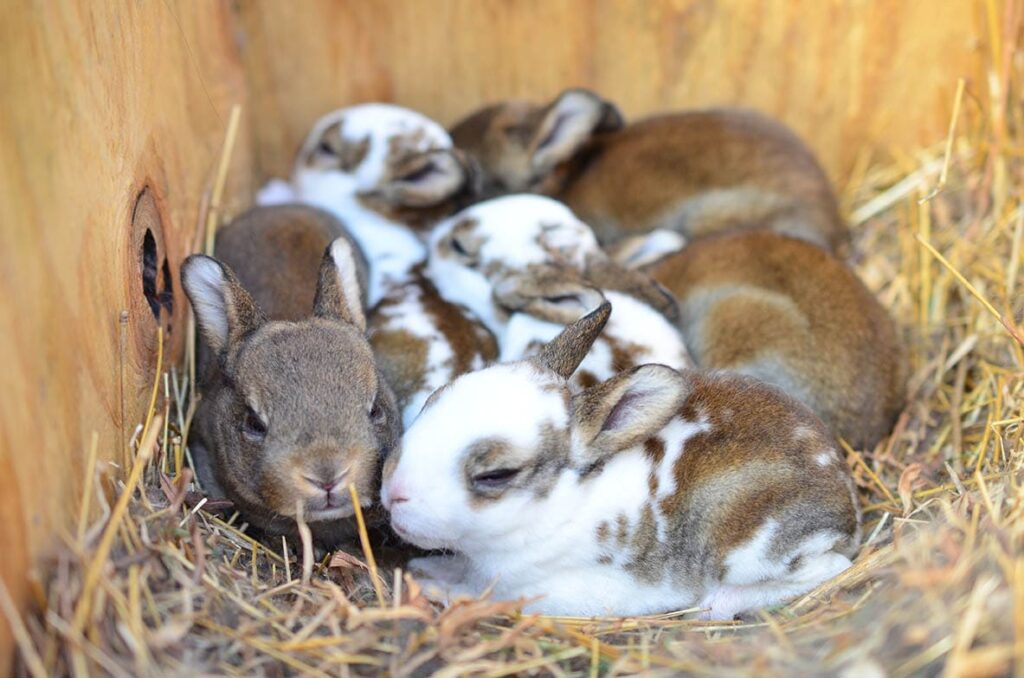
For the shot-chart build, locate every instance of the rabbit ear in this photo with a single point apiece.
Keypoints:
(626, 409)
(555, 298)
(563, 354)
(338, 295)
(574, 117)
(225, 312)
(606, 274)
(643, 250)
(430, 178)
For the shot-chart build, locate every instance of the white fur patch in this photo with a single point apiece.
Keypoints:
(391, 249)
(824, 458)
(204, 279)
(750, 563)
(276, 192)
(345, 266)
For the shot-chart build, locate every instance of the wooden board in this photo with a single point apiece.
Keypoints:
(98, 101)
(848, 75)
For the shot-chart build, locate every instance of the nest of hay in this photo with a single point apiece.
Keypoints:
(154, 582)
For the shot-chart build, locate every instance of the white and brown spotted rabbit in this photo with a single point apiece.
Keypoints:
(656, 490)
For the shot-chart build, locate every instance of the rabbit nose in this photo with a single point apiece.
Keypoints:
(396, 494)
(325, 481)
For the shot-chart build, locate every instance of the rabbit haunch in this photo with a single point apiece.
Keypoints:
(696, 172)
(389, 173)
(790, 314)
(293, 411)
(526, 266)
(659, 489)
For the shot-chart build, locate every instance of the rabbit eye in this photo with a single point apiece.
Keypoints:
(377, 412)
(420, 173)
(517, 133)
(326, 148)
(563, 299)
(496, 479)
(459, 249)
(253, 427)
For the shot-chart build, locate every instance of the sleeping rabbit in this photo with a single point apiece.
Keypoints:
(655, 490)
(695, 172)
(526, 266)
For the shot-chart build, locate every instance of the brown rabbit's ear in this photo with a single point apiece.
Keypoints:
(338, 296)
(430, 178)
(225, 312)
(574, 117)
(554, 298)
(563, 354)
(627, 409)
(607, 274)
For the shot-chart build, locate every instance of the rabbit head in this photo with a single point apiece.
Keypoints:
(474, 250)
(292, 412)
(452, 483)
(518, 144)
(390, 158)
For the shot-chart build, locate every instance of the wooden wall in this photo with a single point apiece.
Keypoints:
(98, 100)
(101, 100)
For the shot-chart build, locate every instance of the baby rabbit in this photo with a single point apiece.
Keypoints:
(389, 173)
(653, 491)
(526, 266)
(790, 314)
(293, 408)
(696, 172)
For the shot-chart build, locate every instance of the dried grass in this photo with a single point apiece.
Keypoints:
(152, 583)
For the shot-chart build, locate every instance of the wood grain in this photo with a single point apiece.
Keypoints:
(97, 102)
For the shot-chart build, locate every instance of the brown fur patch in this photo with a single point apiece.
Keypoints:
(790, 314)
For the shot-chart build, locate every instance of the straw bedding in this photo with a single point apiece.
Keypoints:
(153, 582)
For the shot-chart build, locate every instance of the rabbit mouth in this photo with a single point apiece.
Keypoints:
(334, 513)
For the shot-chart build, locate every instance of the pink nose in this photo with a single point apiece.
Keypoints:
(396, 495)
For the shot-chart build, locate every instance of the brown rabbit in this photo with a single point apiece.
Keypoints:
(293, 407)
(788, 313)
(696, 172)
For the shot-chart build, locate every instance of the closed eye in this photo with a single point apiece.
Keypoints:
(495, 479)
(420, 173)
